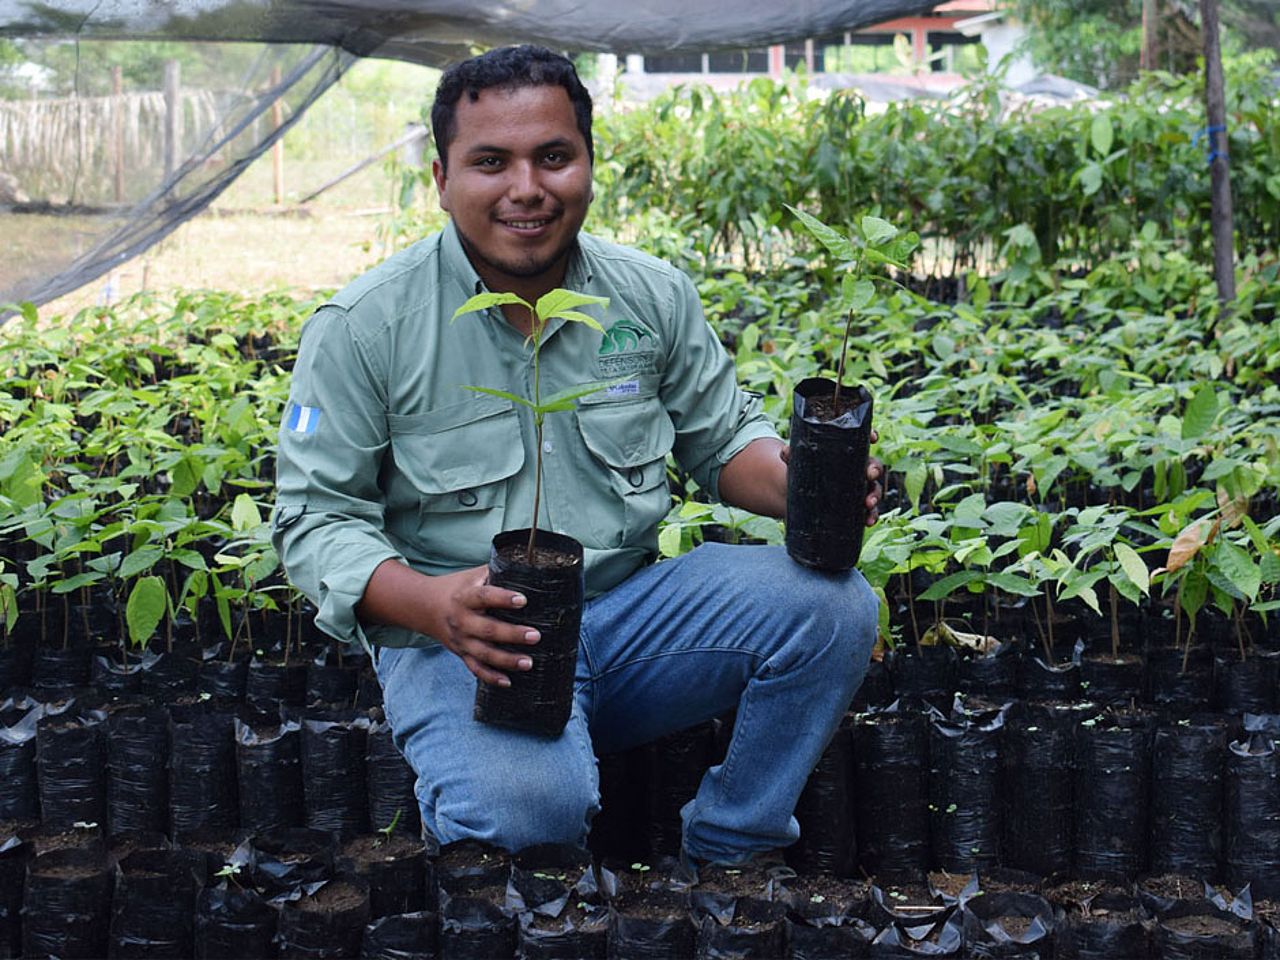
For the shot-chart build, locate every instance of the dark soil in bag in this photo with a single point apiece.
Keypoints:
(476, 928)
(1109, 679)
(964, 779)
(1187, 766)
(540, 700)
(1177, 690)
(268, 684)
(407, 936)
(678, 762)
(19, 784)
(1037, 814)
(1008, 925)
(287, 859)
(137, 781)
(942, 938)
(233, 922)
(828, 840)
(923, 673)
(1105, 927)
(269, 774)
(71, 764)
(579, 932)
(650, 925)
(1253, 815)
(547, 877)
(395, 870)
(1159, 894)
(14, 856)
(390, 782)
(222, 680)
(66, 908)
(202, 771)
(1198, 930)
(1038, 680)
(1246, 686)
(827, 474)
(891, 751)
(327, 923)
(467, 866)
(908, 902)
(57, 673)
(757, 929)
(336, 796)
(1112, 791)
(153, 909)
(822, 901)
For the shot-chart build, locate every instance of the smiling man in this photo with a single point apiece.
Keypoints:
(393, 479)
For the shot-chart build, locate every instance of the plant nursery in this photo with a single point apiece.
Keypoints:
(1068, 741)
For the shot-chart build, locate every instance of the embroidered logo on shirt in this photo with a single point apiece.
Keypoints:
(302, 419)
(624, 335)
(629, 389)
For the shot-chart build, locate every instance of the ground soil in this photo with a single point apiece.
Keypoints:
(542, 557)
(1073, 893)
(748, 880)
(336, 896)
(822, 889)
(67, 871)
(1268, 911)
(473, 870)
(651, 904)
(375, 848)
(909, 898)
(824, 409)
(1174, 886)
(574, 914)
(1202, 926)
(1015, 926)
(950, 884)
(47, 841)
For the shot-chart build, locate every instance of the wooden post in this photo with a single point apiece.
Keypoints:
(1150, 35)
(117, 146)
(172, 116)
(1219, 167)
(277, 148)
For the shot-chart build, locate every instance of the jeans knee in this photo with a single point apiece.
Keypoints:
(517, 811)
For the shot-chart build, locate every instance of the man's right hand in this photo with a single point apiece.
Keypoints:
(452, 609)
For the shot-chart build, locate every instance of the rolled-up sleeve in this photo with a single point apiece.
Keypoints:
(714, 418)
(328, 525)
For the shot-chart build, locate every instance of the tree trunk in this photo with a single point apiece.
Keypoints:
(1219, 170)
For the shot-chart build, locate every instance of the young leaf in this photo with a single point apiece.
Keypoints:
(144, 558)
(145, 609)
(838, 246)
(856, 293)
(1133, 566)
(1238, 567)
(877, 231)
(564, 399)
(483, 301)
(560, 302)
(1201, 411)
(514, 398)
(244, 514)
(1101, 134)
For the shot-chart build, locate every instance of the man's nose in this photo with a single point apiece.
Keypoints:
(525, 186)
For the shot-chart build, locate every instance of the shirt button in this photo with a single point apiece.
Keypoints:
(468, 498)
(548, 447)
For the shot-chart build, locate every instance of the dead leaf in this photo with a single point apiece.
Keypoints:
(1233, 510)
(1031, 484)
(1188, 543)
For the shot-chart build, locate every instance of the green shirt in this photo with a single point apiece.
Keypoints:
(384, 453)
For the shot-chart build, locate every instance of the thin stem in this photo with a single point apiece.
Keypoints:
(1115, 625)
(536, 333)
(844, 352)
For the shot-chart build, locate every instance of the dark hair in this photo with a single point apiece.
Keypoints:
(509, 68)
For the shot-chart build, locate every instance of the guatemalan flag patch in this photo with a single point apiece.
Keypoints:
(302, 419)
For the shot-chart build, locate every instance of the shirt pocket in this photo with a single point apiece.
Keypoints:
(457, 461)
(631, 438)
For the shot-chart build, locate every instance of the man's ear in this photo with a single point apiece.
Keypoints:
(438, 175)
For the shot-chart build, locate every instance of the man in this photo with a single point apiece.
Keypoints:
(393, 478)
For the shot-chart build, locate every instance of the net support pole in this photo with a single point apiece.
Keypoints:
(117, 133)
(1221, 218)
(172, 116)
(277, 148)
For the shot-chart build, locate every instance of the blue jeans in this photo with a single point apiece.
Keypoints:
(676, 644)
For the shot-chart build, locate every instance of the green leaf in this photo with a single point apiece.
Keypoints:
(564, 399)
(144, 558)
(575, 317)
(1238, 567)
(856, 293)
(244, 514)
(1201, 411)
(1091, 178)
(1195, 588)
(561, 303)
(669, 540)
(1101, 134)
(189, 559)
(914, 478)
(1012, 583)
(878, 232)
(1133, 566)
(483, 301)
(185, 476)
(837, 245)
(514, 398)
(76, 582)
(145, 609)
(949, 584)
(1005, 517)
(968, 512)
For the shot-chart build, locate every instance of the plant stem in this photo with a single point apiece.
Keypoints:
(844, 352)
(536, 333)
(1115, 625)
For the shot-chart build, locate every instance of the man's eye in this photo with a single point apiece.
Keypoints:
(555, 158)
(489, 162)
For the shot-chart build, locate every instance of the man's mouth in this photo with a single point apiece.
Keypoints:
(530, 223)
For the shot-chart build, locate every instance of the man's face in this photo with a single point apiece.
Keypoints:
(518, 186)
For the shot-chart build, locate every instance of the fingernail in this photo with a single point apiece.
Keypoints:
(532, 636)
(518, 600)
(525, 663)
(504, 682)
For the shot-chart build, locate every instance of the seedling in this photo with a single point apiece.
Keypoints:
(390, 828)
(230, 871)
(558, 304)
(876, 243)
(641, 867)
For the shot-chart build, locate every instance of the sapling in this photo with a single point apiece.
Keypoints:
(558, 304)
(877, 243)
(390, 828)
